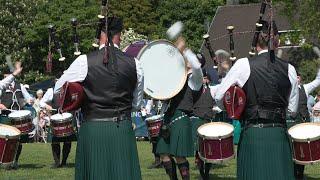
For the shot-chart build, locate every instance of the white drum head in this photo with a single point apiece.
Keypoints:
(305, 131)
(61, 117)
(154, 117)
(6, 130)
(215, 129)
(164, 69)
(18, 114)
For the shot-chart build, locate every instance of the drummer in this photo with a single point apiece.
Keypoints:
(264, 149)
(49, 102)
(203, 113)
(178, 141)
(14, 97)
(303, 114)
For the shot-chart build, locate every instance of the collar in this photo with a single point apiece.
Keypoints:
(103, 45)
(263, 51)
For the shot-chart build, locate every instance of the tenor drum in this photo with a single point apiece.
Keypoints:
(164, 67)
(61, 125)
(216, 142)
(154, 124)
(306, 143)
(134, 48)
(22, 120)
(9, 141)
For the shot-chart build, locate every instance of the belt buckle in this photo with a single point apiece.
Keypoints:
(114, 119)
(260, 125)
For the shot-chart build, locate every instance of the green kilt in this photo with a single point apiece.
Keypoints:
(180, 141)
(196, 123)
(107, 150)
(264, 154)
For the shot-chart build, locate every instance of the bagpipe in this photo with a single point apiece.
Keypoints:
(72, 94)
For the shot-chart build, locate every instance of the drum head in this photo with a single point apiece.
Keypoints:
(305, 132)
(19, 114)
(61, 117)
(164, 67)
(156, 117)
(8, 131)
(215, 129)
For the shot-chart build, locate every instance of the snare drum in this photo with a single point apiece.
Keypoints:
(306, 143)
(216, 142)
(9, 141)
(22, 120)
(61, 125)
(154, 124)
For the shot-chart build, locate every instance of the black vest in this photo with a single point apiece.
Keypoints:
(109, 92)
(203, 104)
(7, 97)
(303, 104)
(183, 101)
(268, 87)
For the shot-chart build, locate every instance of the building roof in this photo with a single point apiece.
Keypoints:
(243, 18)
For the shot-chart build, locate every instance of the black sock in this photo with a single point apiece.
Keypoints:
(18, 152)
(170, 168)
(298, 171)
(207, 170)
(65, 152)
(56, 152)
(184, 170)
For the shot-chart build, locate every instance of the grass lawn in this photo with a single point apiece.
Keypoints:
(36, 159)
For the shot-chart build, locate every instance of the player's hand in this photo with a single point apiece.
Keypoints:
(18, 69)
(48, 107)
(181, 44)
(3, 107)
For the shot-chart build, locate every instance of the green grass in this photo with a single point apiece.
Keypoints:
(36, 160)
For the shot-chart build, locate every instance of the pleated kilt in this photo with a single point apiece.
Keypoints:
(180, 142)
(264, 154)
(196, 123)
(107, 150)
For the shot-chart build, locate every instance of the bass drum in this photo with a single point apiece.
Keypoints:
(165, 70)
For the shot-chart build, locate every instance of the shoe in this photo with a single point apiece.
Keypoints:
(63, 164)
(55, 165)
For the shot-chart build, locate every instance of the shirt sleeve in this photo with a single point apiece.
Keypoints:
(195, 79)
(310, 87)
(25, 93)
(238, 75)
(77, 72)
(138, 92)
(47, 97)
(149, 106)
(294, 94)
(4, 83)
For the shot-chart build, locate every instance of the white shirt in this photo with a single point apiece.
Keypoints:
(196, 77)
(310, 87)
(4, 83)
(239, 74)
(78, 70)
(47, 97)
(24, 91)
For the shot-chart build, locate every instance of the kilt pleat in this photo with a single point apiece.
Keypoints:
(107, 150)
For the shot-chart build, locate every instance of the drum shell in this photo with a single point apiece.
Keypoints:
(23, 123)
(306, 152)
(154, 127)
(62, 128)
(216, 151)
(8, 147)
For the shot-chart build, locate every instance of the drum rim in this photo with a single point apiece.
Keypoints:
(305, 162)
(13, 128)
(217, 161)
(304, 140)
(218, 137)
(182, 83)
(61, 119)
(159, 116)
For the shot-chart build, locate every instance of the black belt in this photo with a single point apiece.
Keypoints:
(119, 118)
(265, 125)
